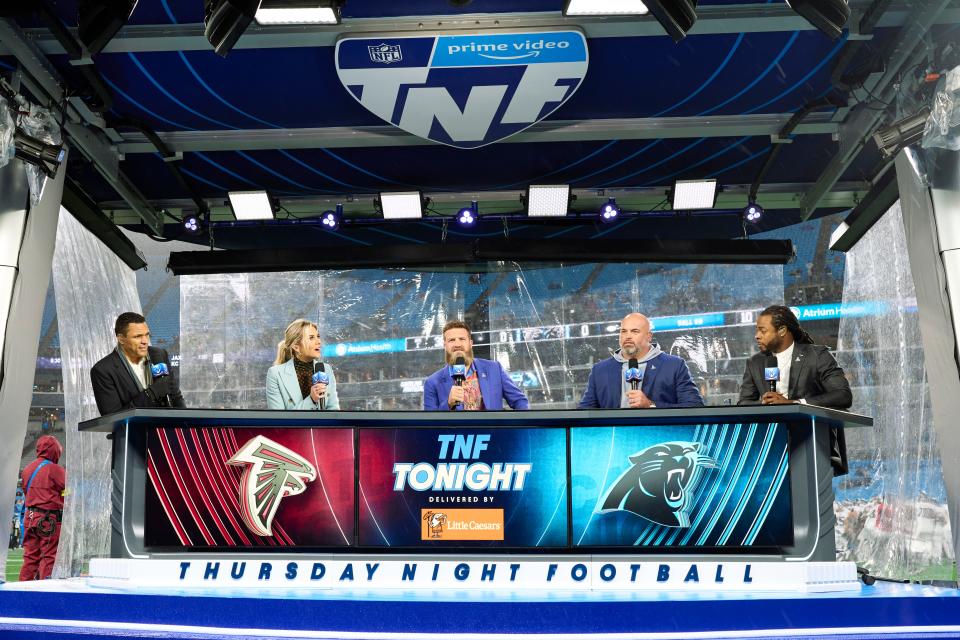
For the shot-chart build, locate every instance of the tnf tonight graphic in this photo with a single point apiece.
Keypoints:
(720, 485)
(458, 487)
(249, 488)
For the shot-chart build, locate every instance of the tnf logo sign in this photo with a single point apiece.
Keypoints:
(465, 91)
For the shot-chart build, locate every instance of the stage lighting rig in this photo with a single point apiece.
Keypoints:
(192, 224)
(693, 195)
(676, 17)
(400, 205)
(224, 21)
(752, 212)
(99, 20)
(609, 211)
(902, 133)
(299, 12)
(467, 217)
(38, 153)
(330, 220)
(251, 205)
(829, 16)
(604, 8)
(547, 200)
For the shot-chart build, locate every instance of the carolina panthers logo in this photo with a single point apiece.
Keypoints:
(464, 90)
(655, 487)
(271, 473)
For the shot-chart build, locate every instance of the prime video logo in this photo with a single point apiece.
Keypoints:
(465, 91)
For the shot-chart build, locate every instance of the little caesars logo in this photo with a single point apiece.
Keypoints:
(462, 524)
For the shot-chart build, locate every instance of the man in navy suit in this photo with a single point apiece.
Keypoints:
(666, 378)
(485, 386)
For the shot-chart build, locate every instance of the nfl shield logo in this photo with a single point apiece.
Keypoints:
(385, 53)
(465, 90)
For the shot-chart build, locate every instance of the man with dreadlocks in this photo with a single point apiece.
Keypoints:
(808, 373)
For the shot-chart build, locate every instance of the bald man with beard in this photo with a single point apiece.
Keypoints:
(666, 379)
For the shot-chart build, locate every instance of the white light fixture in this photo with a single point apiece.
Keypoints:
(604, 8)
(250, 205)
(401, 205)
(690, 195)
(841, 229)
(298, 12)
(548, 200)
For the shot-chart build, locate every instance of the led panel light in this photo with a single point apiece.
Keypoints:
(604, 8)
(690, 195)
(548, 200)
(250, 205)
(297, 15)
(401, 205)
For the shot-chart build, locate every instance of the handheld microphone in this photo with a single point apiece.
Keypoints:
(458, 371)
(160, 370)
(771, 373)
(320, 376)
(633, 375)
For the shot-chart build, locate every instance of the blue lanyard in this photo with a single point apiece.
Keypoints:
(26, 491)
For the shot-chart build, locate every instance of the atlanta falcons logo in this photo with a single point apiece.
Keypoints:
(271, 473)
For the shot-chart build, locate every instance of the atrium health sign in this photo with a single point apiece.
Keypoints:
(465, 91)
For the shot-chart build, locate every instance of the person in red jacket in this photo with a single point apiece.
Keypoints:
(44, 481)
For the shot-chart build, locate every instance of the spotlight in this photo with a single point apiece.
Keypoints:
(548, 200)
(191, 224)
(675, 16)
(752, 212)
(224, 21)
(298, 12)
(691, 195)
(99, 20)
(331, 219)
(828, 16)
(467, 217)
(37, 152)
(891, 139)
(609, 211)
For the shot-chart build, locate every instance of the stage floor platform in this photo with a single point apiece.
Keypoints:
(73, 609)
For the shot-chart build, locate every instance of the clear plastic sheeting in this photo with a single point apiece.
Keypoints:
(891, 509)
(41, 124)
(85, 270)
(7, 129)
(943, 125)
(546, 323)
(229, 329)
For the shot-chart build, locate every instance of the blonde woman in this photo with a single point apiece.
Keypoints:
(292, 380)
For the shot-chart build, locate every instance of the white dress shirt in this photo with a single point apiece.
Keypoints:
(139, 370)
(784, 359)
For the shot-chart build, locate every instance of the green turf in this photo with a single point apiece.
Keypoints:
(945, 571)
(14, 562)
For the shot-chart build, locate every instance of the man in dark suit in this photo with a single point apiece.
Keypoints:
(808, 373)
(666, 379)
(123, 380)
